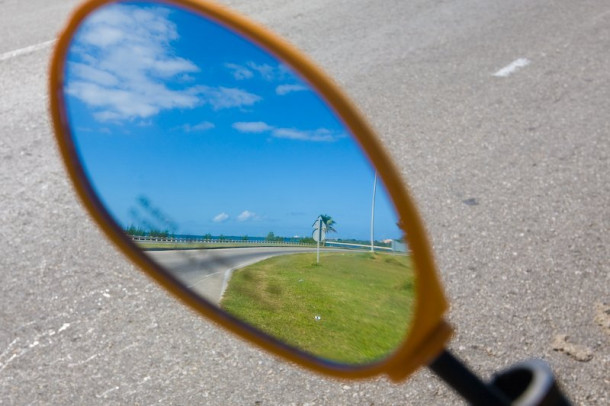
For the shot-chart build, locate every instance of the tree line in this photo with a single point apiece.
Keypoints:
(138, 231)
(141, 232)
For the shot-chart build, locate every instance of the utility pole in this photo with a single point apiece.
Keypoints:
(373, 213)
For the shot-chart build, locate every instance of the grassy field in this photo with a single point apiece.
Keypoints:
(352, 307)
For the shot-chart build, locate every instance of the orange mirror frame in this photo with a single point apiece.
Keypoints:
(428, 332)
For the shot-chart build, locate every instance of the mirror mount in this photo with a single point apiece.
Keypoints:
(462, 380)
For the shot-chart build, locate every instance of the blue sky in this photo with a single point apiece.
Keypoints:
(183, 125)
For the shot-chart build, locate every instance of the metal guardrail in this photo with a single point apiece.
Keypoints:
(170, 240)
(366, 246)
(215, 241)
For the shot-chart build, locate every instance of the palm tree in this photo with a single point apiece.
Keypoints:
(329, 223)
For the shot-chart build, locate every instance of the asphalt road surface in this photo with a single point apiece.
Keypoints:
(497, 114)
(207, 272)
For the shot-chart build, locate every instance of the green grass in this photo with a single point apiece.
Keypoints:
(364, 302)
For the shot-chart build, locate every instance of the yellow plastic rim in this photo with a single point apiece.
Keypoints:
(428, 332)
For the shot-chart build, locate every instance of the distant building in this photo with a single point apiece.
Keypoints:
(399, 246)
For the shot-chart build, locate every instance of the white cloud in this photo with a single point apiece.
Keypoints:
(267, 72)
(124, 67)
(172, 67)
(319, 135)
(203, 126)
(239, 72)
(103, 36)
(220, 218)
(126, 61)
(107, 116)
(252, 127)
(136, 101)
(94, 75)
(282, 90)
(246, 215)
(223, 97)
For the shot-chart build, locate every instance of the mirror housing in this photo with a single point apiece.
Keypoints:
(428, 331)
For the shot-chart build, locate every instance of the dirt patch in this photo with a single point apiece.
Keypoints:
(602, 316)
(575, 351)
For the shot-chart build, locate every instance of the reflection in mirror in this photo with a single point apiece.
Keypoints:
(231, 172)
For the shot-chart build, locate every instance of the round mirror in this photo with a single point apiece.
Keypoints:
(231, 173)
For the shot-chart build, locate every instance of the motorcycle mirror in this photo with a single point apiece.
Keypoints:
(237, 175)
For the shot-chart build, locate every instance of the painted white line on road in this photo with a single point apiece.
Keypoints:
(83, 362)
(63, 327)
(512, 67)
(104, 394)
(26, 50)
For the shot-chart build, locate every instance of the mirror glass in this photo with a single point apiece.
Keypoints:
(230, 171)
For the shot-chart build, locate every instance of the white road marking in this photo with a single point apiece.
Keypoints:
(13, 357)
(26, 50)
(103, 395)
(512, 67)
(9, 347)
(128, 347)
(63, 327)
(79, 363)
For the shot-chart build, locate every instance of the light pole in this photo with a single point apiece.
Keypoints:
(373, 212)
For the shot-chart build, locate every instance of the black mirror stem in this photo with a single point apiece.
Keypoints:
(530, 383)
(457, 375)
